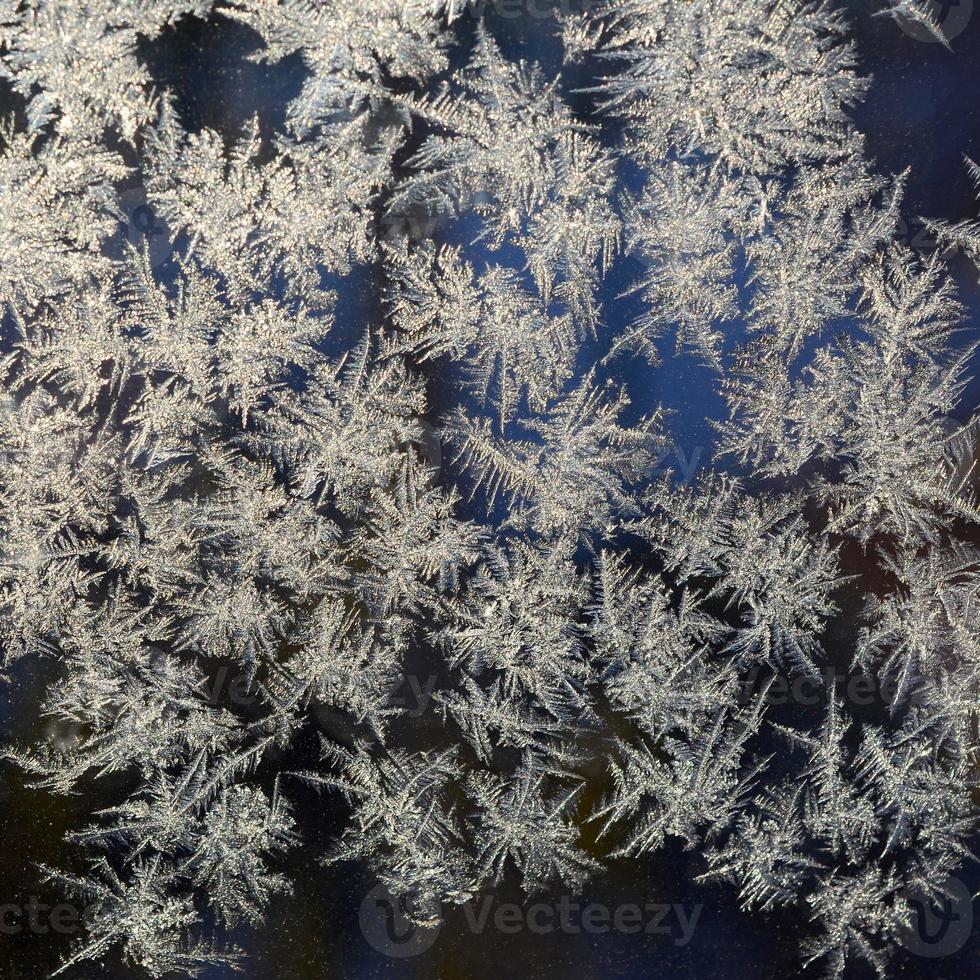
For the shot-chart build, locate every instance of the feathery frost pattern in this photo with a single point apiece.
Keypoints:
(216, 463)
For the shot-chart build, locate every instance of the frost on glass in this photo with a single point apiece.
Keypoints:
(214, 464)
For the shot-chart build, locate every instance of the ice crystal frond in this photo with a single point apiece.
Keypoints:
(509, 345)
(655, 650)
(521, 821)
(240, 215)
(508, 147)
(413, 544)
(490, 719)
(572, 237)
(836, 811)
(765, 854)
(782, 581)
(757, 554)
(857, 916)
(237, 831)
(349, 49)
(898, 475)
(802, 271)
(918, 796)
(756, 85)
(906, 800)
(916, 12)
(865, 809)
(77, 63)
(145, 916)
(963, 234)
(404, 824)
(682, 233)
(686, 786)
(58, 209)
(910, 309)
(572, 474)
(924, 632)
(519, 629)
(497, 145)
(903, 369)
